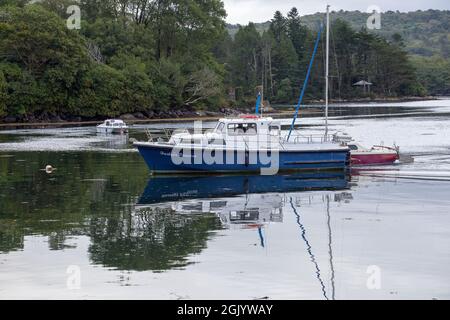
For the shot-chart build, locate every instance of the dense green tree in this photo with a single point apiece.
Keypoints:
(267, 51)
(138, 91)
(285, 61)
(50, 59)
(344, 44)
(59, 6)
(278, 26)
(285, 93)
(434, 74)
(24, 95)
(302, 42)
(284, 58)
(245, 61)
(114, 36)
(170, 83)
(18, 3)
(102, 91)
(298, 33)
(43, 41)
(3, 94)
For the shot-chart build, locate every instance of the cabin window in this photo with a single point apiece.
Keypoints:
(274, 130)
(239, 129)
(353, 147)
(108, 123)
(220, 127)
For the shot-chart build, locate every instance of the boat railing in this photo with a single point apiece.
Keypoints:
(311, 138)
(149, 135)
(158, 135)
(281, 142)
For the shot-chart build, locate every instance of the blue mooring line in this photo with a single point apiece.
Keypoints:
(305, 85)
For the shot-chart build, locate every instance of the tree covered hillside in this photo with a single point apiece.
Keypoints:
(158, 58)
(425, 35)
(136, 56)
(277, 59)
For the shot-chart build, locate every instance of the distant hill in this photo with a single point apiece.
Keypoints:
(425, 33)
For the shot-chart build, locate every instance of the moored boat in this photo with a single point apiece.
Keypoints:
(362, 156)
(244, 144)
(377, 155)
(113, 126)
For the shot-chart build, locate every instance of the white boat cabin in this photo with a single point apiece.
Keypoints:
(112, 126)
(112, 123)
(245, 131)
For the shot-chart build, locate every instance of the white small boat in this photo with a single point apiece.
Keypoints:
(113, 126)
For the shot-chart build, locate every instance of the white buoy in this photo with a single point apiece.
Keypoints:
(49, 169)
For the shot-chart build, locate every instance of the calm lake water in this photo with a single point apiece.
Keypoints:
(100, 226)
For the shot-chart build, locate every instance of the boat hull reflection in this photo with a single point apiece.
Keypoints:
(166, 189)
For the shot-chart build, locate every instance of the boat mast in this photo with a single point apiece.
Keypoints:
(327, 72)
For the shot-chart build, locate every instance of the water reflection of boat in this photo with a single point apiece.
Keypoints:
(253, 210)
(242, 202)
(115, 142)
(165, 189)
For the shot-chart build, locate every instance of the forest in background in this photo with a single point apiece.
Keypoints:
(423, 34)
(156, 57)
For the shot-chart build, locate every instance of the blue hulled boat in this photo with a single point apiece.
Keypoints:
(244, 144)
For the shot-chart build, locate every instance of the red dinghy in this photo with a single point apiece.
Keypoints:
(361, 156)
(377, 155)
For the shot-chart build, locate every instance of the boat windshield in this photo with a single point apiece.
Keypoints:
(220, 127)
(238, 129)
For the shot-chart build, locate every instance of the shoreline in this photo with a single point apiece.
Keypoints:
(92, 122)
(201, 116)
(380, 100)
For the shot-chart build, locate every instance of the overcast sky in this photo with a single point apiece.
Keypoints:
(243, 11)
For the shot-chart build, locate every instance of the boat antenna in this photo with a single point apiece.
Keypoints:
(327, 73)
(305, 84)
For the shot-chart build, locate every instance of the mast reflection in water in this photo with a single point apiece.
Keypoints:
(175, 216)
